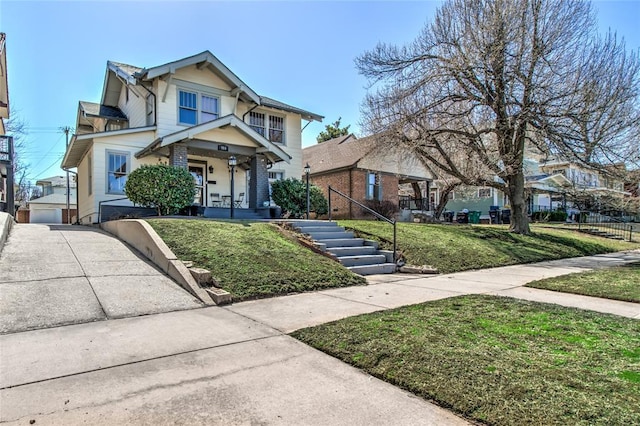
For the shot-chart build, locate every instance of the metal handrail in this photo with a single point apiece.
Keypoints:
(621, 229)
(373, 212)
(106, 201)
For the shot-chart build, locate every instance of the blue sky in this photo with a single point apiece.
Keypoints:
(297, 52)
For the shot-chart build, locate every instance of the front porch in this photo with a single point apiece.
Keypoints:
(229, 162)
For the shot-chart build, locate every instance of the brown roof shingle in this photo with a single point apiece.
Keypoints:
(337, 153)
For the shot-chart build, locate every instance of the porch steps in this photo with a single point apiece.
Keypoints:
(356, 254)
(225, 213)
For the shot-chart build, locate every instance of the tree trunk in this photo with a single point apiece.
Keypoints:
(519, 218)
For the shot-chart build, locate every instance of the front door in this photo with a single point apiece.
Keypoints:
(198, 176)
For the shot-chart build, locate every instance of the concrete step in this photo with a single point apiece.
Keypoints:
(316, 223)
(321, 236)
(342, 242)
(366, 259)
(314, 229)
(382, 268)
(352, 251)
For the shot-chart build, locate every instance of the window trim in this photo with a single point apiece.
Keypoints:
(89, 175)
(371, 195)
(198, 109)
(267, 125)
(109, 152)
(484, 189)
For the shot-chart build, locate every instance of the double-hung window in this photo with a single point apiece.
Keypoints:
(188, 108)
(256, 121)
(269, 126)
(276, 129)
(117, 171)
(197, 108)
(373, 187)
(209, 110)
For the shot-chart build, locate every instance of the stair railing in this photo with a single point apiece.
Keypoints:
(367, 209)
(614, 227)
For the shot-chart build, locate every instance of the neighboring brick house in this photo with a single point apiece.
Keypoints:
(6, 142)
(362, 170)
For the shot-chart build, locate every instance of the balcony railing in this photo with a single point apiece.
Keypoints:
(407, 202)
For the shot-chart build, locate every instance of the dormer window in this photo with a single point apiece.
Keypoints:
(189, 109)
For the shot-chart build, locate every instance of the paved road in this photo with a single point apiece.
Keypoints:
(73, 274)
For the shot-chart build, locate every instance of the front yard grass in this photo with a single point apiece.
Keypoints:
(453, 248)
(620, 283)
(252, 260)
(499, 360)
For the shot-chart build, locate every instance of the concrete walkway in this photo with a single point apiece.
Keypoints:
(73, 274)
(390, 291)
(235, 365)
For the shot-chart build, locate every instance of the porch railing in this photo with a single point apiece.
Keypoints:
(408, 202)
(373, 212)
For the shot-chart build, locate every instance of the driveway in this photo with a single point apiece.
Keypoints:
(52, 275)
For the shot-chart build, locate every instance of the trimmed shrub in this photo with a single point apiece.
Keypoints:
(291, 195)
(554, 216)
(164, 188)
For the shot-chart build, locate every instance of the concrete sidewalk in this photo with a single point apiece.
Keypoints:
(63, 274)
(390, 291)
(235, 365)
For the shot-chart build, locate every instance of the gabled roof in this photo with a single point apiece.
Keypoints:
(118, 72)
(268, 102)
(228, 120)
(338, 153)
(203, 59)
(91, 109)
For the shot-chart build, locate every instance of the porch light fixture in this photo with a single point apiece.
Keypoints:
(232, 164)
(307, 170)
(211, 169)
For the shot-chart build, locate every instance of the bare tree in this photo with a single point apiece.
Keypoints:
(488, 78)
(17, 128)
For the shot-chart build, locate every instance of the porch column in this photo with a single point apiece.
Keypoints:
(259, 182)
(178, 155)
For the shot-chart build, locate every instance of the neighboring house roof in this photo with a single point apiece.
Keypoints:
(228, 120)
(55, 199)
(57, 181)
(91, 109)
(338, 153)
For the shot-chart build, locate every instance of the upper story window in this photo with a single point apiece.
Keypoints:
(275, 130)
(210, 110)
(189, 109)
(117, 171)
(256, 121)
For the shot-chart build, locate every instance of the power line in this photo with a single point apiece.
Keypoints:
(52, 164)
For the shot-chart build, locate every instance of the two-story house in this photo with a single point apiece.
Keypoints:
(193, 113)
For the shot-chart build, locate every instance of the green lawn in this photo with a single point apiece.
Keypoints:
(252, 260)
(620, 283)
(499, 360)
(452, 248)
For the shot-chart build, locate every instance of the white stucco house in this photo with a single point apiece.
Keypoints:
(193, 113)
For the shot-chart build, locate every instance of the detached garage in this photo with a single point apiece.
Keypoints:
(51, 209)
